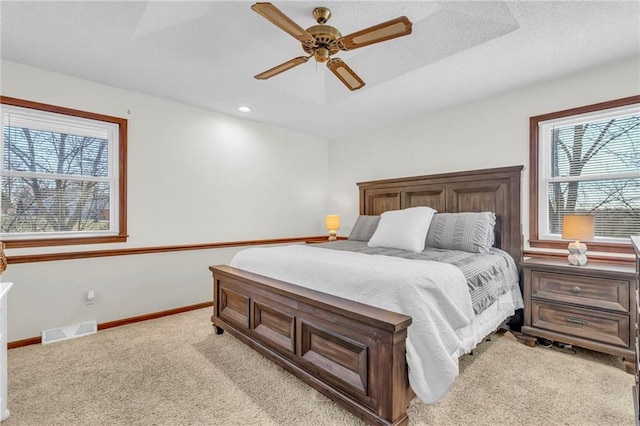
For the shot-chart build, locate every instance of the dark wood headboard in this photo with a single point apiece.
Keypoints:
(496, 190)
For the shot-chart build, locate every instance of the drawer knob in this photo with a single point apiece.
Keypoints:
(575, 289)
(577, 321)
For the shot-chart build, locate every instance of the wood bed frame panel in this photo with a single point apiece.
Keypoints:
(351, 352)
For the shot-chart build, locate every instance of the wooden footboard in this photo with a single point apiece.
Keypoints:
(351, 352)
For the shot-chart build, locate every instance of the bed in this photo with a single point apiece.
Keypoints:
(356, 353)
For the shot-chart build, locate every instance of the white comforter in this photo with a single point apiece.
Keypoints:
(434, 294)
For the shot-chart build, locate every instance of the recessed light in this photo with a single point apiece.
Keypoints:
(244, 109)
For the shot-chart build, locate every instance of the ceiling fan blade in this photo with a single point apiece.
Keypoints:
(345, 74)
(282, 67)
(276, 17)
(385, 31)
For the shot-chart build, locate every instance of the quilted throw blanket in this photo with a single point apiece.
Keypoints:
(434, 294)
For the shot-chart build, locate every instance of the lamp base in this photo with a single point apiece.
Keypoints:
(333, 235)
(577, 254)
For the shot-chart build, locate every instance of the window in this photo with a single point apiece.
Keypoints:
(63, 176)
(587, 161)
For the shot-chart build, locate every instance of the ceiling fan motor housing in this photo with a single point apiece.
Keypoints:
(326, 42)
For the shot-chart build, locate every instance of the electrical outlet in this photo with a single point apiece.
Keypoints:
(89, 297)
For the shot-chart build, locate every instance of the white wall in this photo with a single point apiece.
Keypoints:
(244, 178)
(194, 176)
(491, 132)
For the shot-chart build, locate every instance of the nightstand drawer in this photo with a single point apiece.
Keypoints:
(581, 290)
(603, 327)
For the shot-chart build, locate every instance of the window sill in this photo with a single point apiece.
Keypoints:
(601, 247)
(52, 242)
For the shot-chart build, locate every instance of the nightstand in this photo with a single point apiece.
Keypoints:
(592, 306)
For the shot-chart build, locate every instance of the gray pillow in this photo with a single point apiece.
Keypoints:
(472, 232)
(364, 228)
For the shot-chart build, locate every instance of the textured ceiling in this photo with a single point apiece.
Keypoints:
(205, 53)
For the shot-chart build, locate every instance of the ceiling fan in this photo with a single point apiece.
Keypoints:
(321, 41)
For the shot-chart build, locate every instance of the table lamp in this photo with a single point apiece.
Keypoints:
(577, 227)
(333, 224)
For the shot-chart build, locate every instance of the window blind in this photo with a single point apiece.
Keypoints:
(591, 165)
(57, 174)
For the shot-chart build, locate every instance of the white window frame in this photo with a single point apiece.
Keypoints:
(545, 129)
(28, 114)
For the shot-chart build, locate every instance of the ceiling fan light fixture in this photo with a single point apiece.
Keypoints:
(322, 54)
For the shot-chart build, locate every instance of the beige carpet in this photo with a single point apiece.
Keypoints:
(175, 371)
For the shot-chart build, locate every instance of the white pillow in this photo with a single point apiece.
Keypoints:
(403, 229)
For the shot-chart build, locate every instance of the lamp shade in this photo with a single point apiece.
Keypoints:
(333, 222)
(577, 227)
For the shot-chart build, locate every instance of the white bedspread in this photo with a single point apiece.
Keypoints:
(434, 294)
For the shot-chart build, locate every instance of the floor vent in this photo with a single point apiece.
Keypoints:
(69, 332)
